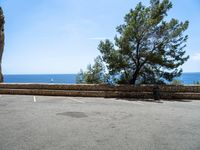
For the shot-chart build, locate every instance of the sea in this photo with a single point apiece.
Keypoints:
(186, 78)
(41, 78)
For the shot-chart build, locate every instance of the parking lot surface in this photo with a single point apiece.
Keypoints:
(74, 123)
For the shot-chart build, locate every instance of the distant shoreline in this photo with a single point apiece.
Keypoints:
(186, 78)
(77, 73)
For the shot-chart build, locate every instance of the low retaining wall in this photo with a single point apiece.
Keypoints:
(100, 90)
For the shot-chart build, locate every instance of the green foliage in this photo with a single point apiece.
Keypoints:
(147, 48)
(196, 82)
(95, 74)
(177, 82)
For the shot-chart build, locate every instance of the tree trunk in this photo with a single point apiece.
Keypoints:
(134, 77)
(1, 41)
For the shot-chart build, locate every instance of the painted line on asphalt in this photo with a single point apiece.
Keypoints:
(34, 99)
(126, 101)
(73, 99)
(138, 103)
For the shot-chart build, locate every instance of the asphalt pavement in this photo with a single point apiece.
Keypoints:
(75, 123)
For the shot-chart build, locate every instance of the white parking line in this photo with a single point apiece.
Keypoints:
(34, 99)
(138, 103)
(73, 99)
(127, 101)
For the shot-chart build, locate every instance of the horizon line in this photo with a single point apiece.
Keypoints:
(59, 73)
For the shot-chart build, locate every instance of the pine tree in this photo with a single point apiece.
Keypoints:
(148, 49)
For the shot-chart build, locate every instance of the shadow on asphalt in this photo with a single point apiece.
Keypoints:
(154, 101)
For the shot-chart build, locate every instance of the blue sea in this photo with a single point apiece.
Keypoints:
(186, 78)
(190, 78)
(41, 78)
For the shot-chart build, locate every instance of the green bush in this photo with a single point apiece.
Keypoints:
(196, 82)
(177, 82)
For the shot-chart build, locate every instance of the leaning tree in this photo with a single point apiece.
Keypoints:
(1, 40)
(148, 48)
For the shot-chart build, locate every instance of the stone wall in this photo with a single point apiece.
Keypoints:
(100, 90)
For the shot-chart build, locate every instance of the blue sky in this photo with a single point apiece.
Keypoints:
(61, 36)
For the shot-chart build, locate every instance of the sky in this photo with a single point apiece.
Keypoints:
(62, 36)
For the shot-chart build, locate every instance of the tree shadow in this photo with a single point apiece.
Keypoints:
(154, 101)
(177, 100)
